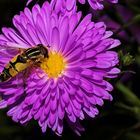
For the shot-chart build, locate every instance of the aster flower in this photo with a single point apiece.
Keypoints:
(28, 2)
(71, 82)
(95, 4)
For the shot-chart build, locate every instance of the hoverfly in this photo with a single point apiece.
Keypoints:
(22, 61)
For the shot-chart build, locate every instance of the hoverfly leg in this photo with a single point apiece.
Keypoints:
(24, 82)
(17, 79)
(37, 70)
(37, 73)
(36, 66)
(25, 76)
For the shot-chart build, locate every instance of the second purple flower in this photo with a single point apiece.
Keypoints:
(95, 4)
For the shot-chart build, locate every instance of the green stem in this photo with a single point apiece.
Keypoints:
(129, 96)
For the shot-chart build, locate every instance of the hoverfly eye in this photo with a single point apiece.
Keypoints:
(45, 52)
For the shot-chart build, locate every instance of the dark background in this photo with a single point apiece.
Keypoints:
(118, 120)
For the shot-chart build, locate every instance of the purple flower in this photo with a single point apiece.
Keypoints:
(71, 82)
(126, 15)
(95, 4)
(28, 2)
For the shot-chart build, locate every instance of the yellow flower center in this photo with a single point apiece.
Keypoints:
(54, 65)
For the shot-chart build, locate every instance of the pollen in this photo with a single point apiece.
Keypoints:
(54, 65)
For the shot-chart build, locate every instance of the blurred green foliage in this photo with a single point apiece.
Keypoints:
(118, 120)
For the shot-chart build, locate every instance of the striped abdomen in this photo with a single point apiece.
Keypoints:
(16, 65)
(23, 61)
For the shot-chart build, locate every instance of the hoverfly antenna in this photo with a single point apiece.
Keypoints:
(40, 45)
(46, 52)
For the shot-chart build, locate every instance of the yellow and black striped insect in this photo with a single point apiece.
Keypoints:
(22, 61)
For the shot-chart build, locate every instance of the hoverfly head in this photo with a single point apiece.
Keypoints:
(43, 50)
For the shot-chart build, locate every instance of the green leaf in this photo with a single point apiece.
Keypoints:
(128, 95)
(133, 111)
(132, 136)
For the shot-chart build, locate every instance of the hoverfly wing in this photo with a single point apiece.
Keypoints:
(13, 46)
(8, 55)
